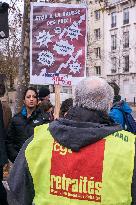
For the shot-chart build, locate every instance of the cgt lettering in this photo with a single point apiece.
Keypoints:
(62, 150)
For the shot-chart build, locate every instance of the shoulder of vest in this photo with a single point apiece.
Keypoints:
(124, 135)
(127, 133)
(41, 130)
(41, 127)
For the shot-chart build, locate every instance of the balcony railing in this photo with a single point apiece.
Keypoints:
(115, 2)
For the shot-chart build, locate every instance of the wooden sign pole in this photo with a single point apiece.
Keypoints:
(57, 101)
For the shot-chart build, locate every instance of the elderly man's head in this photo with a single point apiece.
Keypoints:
(94, 93)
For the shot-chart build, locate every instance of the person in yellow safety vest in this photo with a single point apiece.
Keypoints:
(82, 159)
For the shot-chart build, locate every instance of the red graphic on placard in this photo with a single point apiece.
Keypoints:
(77, 175)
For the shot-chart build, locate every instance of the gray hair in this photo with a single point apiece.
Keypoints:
(93, 93)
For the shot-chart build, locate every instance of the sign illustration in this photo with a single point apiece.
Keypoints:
(57, 43)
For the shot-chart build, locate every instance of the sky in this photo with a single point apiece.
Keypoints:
(8, 1)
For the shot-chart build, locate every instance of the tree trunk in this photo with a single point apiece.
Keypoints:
(11, 82)
(24, 61)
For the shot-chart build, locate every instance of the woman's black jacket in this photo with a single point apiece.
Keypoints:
(20, 129)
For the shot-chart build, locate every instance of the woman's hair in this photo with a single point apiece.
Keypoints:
(65, 106)
(33, 89)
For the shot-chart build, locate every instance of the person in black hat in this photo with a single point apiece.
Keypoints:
(45, 104)
(44, 94)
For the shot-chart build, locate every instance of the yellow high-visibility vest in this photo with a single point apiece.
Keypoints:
(100, 173)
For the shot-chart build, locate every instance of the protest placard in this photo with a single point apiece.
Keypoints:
(57, 43)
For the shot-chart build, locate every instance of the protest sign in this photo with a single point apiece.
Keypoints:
(57, 43)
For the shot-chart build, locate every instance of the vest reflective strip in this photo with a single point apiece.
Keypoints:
(116, 179)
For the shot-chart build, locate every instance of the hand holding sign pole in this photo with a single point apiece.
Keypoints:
(57, 101)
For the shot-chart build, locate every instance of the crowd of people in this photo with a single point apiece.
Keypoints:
(86, 156)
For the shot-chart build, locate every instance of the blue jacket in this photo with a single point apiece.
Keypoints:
(117, 115)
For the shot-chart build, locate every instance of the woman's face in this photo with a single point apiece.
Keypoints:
(30, 99)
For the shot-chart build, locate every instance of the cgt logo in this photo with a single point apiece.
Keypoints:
(59, 148)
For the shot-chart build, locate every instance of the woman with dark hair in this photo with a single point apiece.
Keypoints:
(22, 124)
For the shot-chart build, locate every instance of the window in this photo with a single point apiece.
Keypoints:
(113, 19)
(114, 65)
(126, 63)
(98, 70)
(126, 16)
(97, 33)
(113, 42)
(126, 39)
(97, 52)
(97, 14)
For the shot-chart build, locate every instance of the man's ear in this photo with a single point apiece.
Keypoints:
(110, 105)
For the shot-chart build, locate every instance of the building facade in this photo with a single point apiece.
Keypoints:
(95, 57)
(120, 46)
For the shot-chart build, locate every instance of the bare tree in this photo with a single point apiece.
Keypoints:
(10, 47)
(23, 75)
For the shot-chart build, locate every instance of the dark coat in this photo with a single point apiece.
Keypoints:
(20, 129)
(3, 154)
